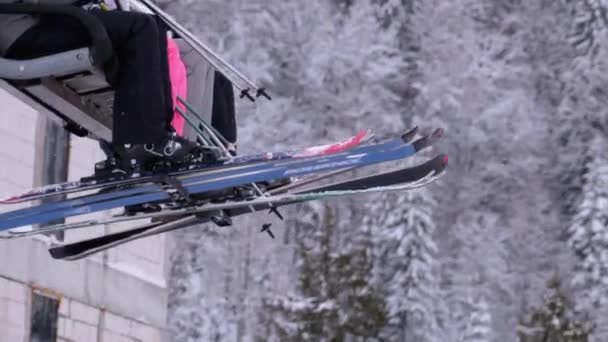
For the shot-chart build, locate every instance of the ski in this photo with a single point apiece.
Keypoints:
(259, 172)
(92, 184)
(404, 175)
(400, 179)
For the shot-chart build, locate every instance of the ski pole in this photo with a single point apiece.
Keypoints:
(208, 54)
(203, 121)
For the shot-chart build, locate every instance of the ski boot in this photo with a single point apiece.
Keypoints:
(125, 160)
(172, 150)
(112, 166)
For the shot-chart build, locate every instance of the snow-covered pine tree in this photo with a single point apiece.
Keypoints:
(195, 315)
(591, 22)
(583, 108)
(500, 53)
(363, 84)
(321, 67)
(285, 315)
(476, 270)
(409, 274)
(324, 77)
(335, 298)
(588, 235)
(554, 320)
(479, 322)
(263, 329)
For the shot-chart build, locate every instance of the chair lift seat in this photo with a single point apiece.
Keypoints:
(71, 84)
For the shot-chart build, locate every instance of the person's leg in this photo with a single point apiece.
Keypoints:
(164, 62)
(141, 112)
(142, 116)
(54, 34)
(224, 113)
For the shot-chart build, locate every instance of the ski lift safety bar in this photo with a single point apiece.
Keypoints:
(216, 61)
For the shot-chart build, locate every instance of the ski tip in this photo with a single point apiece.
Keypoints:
(55, 254)
(364, 134)
(408, 136)
(438, 133)
(10, 200)
(439, 162)
(428, 140)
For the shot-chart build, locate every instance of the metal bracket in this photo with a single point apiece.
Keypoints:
(183, 193)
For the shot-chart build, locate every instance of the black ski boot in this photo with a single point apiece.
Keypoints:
(172, 149)
(109, 168)
(112, 166)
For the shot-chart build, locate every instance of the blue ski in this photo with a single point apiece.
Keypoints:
(208, 174)
(87, 184)
(358, 157)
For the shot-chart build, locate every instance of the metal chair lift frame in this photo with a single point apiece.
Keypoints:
(76, 85)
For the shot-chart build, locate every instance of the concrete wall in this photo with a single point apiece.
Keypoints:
(119, 295)
(78, 322)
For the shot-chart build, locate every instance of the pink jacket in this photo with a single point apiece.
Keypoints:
(179, 84)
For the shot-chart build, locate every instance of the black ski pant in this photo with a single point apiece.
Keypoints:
(142, 102)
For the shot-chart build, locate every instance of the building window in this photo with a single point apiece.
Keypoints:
(55, 161)
(45, 314)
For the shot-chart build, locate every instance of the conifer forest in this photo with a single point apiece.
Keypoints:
(511, 245)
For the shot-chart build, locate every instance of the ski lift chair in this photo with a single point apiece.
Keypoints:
(75, 85)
